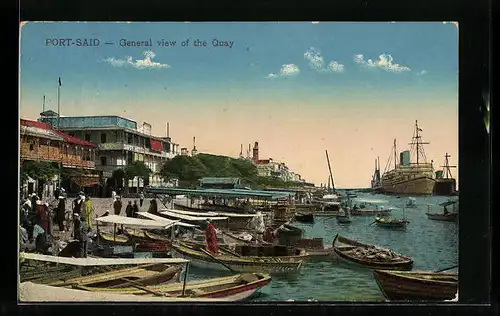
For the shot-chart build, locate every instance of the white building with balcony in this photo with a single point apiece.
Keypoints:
(120, 142)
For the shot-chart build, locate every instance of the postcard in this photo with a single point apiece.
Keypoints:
(242, 161)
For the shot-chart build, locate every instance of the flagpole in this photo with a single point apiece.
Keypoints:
(58, 128)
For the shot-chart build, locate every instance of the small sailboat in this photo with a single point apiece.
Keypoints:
(344, 216)
(388, 222)
(446, 216)
(411, 203)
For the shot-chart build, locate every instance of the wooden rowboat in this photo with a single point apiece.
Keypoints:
(134, 234)
(304, 218)
(391, 222)
(156, 237)
(417, 285)
(200, 259)
(113, 239)
(365, 212)
(32, 292)
(211, 288)
(449, 217)
(150, 274)
(369, 256)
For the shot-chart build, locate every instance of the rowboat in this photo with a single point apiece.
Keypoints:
(32, 292)
(110, 238)
(445, 215)
(211, 288)
(369, 256)
(150, 274)
(315, 248)
(344, 219)
(304, 218)
(155, 237)
(411, 203)
(417, 285)
(200, 259)
(134, 234)
(366, 212)
(391, 222)
(450, 217)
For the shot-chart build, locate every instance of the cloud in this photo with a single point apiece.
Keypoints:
(421, 73)
(317, 62)
(146, 63)
(385, 62)
(287, 70)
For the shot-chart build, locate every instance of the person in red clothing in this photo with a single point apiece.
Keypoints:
(211, 238)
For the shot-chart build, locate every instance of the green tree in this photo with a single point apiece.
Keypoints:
(118, 175)
(136, 169)
(42, 171)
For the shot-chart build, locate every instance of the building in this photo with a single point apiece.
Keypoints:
(220, 183)
(270, 168)
(120, 142)
(39, 142)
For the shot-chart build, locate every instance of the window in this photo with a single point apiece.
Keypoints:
(32, 147)
(103, 137)
(104, 161)
(129, 138)
(87, 137)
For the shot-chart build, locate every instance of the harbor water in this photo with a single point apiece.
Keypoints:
(433, 245)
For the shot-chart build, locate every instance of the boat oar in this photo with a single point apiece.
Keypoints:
(140, 287)
(456, 266)
(213, 257)
(372, 223)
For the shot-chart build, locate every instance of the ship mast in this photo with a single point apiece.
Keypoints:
(395, 154)
(330, 169)
(446, 167)
(417, 142)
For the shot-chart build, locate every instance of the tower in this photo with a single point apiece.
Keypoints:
(255, 156)
(194, 151)
(241, 151)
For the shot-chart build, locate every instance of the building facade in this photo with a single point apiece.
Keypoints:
(270, 168)
(39, 142)
(120, 142)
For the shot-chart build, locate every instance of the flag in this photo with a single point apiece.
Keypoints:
(59, 81)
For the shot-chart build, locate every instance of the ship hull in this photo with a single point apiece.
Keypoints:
(417, 186)
(445, 187)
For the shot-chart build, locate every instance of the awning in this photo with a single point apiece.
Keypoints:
(156, 145)
(85, 181)
(130, 221)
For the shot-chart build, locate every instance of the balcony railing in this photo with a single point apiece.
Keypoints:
(135, 149)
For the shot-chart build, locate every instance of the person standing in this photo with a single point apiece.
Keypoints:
(113, 194)
(153, 207)
(61, 212)
(77, 205)
(83, 237)
(135, 209)
(77, 223)
(129, 211)
(141, 198)
(88, 211)
(211, 238)
(117, 205)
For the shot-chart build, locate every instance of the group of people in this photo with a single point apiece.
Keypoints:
(132, 210)
(37, 218)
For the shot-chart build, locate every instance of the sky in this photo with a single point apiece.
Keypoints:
(297, 88)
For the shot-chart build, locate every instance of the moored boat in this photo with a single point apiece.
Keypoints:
(150, 274)
(201, 259)
(110, 238)
(369, 256)
(417, 285)
(304, 218)
(387, 222)
(367, 212)
(211, 288)
(446, 215)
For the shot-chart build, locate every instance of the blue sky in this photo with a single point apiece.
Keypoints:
(274, 67)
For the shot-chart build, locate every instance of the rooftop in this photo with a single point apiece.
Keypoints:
(230, 193)
(42, 129)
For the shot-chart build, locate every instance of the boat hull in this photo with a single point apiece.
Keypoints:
(344, 219)
(379, 265)
(415, 286)
(304, 218)
(203, 261)
(451, 217)
(417, 186)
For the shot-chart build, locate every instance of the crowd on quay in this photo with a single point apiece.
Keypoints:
(42, 223)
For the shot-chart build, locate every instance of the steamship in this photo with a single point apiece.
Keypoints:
(410, 178)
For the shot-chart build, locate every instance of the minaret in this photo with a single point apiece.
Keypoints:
(241, 151)
(255, 156)
(194, 151)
